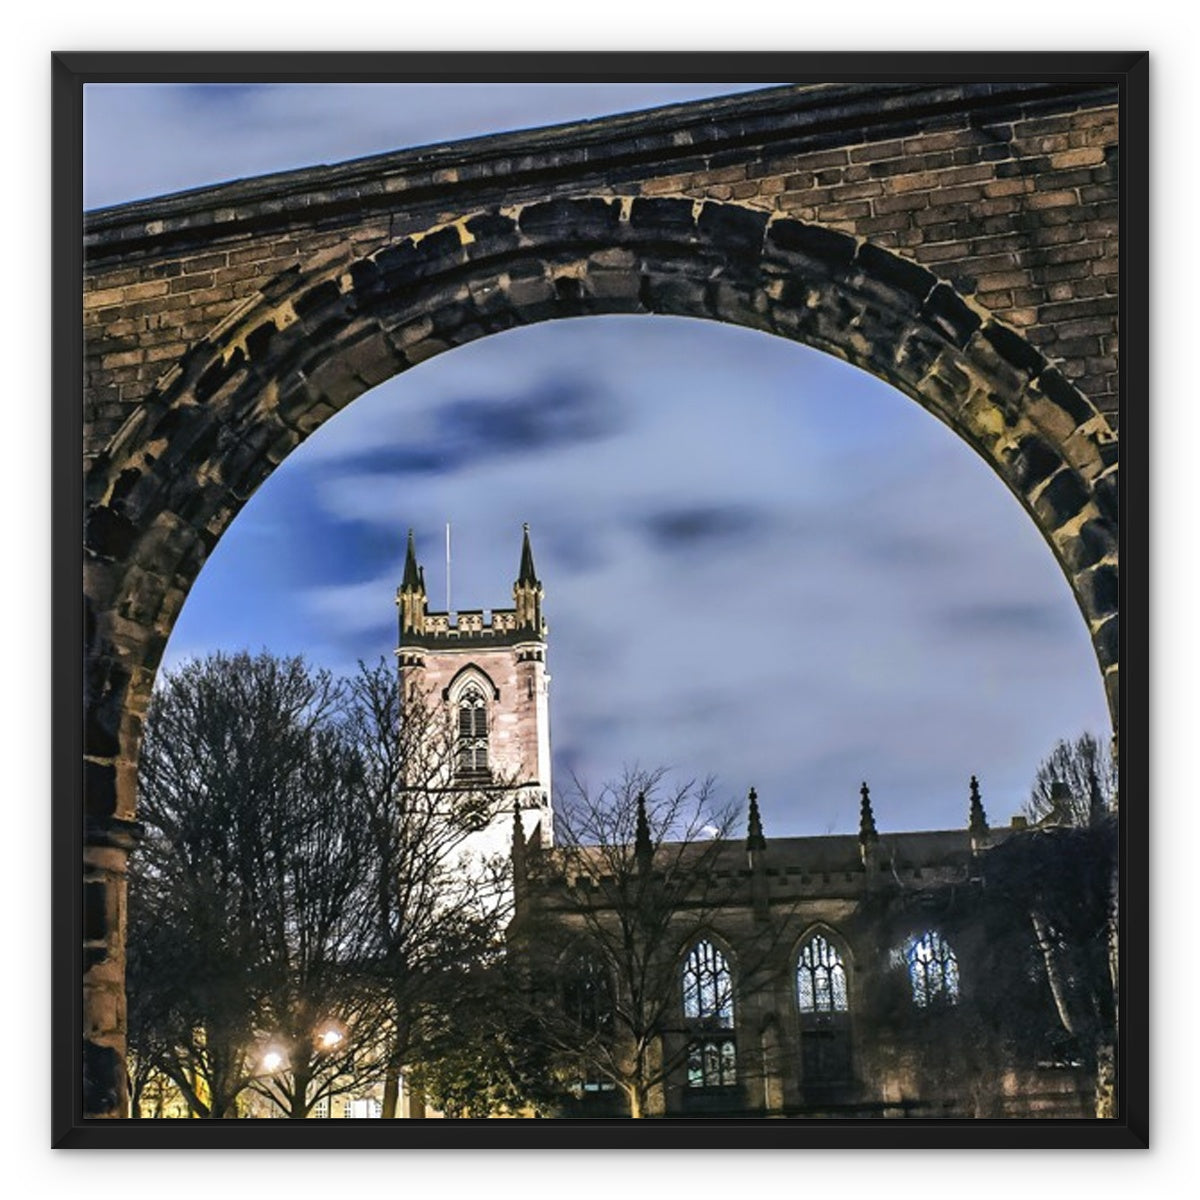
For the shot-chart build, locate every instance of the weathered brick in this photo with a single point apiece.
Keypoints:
(142, 291)
(999, 279)
(1088, 325)
(996, 301)
(190, 283)
(903, 203)
(903, 166)
(876, 150)
(843, 212)
(1052, 200)
(1076, 158)
(822, 158)
(723, 175)
(204, 262)
(948, 139)
(1007, 187)
(919, 182)
(941, 251)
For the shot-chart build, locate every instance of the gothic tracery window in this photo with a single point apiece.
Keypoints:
(823, 1000)
(708, 1008)
(821, 977)
(471, 742)
(932, 970)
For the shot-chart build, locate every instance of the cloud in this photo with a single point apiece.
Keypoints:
(357, 608)
(698, 526)
(559, 412)
(466, 433)
(1016, 618)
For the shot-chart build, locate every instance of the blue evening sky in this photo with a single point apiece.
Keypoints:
(760, 563)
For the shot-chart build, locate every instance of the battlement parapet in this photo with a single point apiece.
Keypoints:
(471, 627)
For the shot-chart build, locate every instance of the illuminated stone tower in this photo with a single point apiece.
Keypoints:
(489, 676)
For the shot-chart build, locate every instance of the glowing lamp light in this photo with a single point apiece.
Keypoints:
(272, 1060)
(330, 1038)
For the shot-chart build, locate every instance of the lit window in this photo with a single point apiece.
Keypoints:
(708, 1005)
(471, 745)
(824, 1028)
(932, 970)
(707, 986)
(820, 977)
(712, 1062)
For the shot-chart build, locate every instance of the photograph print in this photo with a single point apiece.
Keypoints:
(601, 605)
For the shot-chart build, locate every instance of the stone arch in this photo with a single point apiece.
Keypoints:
(229, 411)
(471, 673)
(312, 338)
(830, 934)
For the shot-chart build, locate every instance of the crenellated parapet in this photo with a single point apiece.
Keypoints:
(472, 628)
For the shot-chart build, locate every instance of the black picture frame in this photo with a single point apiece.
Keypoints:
(72, 71)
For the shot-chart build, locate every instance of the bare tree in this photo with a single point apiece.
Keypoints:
(249, 922)
(307, 891)
(225, 755)
(320, 1014)
(1075, 784)
(630, 885)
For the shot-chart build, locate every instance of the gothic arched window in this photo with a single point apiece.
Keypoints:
(587, 1004)
(587, 995)
(707, 986)
(932, 970)
(708, 1008)
(824, 1003)
(471, 741)
(821, 977)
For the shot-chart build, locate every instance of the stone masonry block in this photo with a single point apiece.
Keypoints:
(1033, 460)
(663, 216)
(947, 313)
(590, 219)
(821, 246)
(729, 226)
(1063, 498)
(895, 271)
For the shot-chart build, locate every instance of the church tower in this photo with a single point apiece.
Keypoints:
(488, 676)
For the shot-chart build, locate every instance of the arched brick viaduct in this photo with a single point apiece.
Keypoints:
(958, 241)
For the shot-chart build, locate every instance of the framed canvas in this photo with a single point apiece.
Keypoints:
(819, 852)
